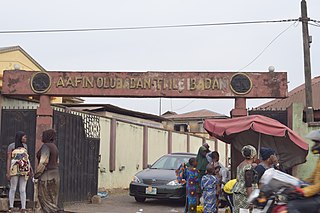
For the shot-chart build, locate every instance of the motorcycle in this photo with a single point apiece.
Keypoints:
(264, 200)
(277, 189)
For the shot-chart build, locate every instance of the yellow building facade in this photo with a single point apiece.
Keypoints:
(15, 58)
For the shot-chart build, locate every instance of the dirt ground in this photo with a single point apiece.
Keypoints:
(120, 201)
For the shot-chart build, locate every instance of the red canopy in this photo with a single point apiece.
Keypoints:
(260, 131)
(258, 123)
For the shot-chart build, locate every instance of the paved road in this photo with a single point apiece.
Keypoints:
(121, 202)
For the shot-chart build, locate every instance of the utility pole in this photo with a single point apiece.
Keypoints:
(160, 106)
(307, 63)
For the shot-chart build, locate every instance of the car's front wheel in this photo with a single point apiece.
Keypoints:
(140, 199)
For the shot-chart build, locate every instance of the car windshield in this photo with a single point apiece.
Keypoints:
(170, 162)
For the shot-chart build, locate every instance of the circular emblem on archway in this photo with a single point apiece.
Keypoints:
(240, 84)
(40, 82)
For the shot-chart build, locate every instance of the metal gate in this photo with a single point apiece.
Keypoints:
(78, 139)
(13, 120)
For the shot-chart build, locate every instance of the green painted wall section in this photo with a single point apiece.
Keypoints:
(304, 170)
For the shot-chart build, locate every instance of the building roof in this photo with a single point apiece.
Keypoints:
(15, 48)
(203, 113)
(168, 113)
(114, 109)
(296, 95)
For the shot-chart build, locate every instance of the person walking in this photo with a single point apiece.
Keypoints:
(208, 185)
(47, 173)
(245, 179)
(18, 169)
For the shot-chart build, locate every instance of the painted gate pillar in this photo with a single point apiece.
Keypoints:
(44, 119)
(239, 108)
(238, 111)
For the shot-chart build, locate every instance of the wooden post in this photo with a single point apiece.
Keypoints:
(307, 63)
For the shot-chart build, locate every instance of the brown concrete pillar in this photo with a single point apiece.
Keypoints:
(169, 142)
(227, 155)
(188, 142)
(216, 145)
(238, 111)
(204, 141)
(239, 108)
(44, 119)
(1, 105)
(112, 154)
(145, 147)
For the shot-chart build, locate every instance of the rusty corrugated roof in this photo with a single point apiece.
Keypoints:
(296, 95)
(113, 109)
(204, 113)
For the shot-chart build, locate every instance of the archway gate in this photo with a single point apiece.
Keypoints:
(238, 86)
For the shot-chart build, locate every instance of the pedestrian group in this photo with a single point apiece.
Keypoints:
(45, 176)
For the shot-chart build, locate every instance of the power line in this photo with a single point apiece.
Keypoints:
(316, 25)
(145, 27)
(185, 105)
(264, 49)
(316, 21)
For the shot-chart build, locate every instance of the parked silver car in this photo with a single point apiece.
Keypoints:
(159, 180)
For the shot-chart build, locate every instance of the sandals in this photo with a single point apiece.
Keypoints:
(22, 210)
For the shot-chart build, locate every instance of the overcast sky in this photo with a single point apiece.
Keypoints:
(213, 48)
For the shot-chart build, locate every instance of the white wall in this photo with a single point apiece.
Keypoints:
(104, 177)
(195, 143)
(179, 142)
(129, 150)
(157, 144)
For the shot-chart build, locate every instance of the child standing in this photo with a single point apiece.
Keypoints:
(191, 175)
(208, 185)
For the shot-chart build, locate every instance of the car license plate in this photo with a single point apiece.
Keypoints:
(151, 191)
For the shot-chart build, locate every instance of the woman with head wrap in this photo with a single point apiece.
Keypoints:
(48, 173)
(245, 179)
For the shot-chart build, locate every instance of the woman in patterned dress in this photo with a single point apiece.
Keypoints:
(191, 175)
(245, 179)
(208, 185)
(18, 169)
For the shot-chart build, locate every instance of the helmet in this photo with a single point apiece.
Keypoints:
(314, 135)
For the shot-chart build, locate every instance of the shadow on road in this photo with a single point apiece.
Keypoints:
(168, 203)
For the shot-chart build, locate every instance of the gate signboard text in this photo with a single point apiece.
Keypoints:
(147, 84)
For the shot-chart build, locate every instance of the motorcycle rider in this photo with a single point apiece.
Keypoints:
(269, 160)
(310, 201)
